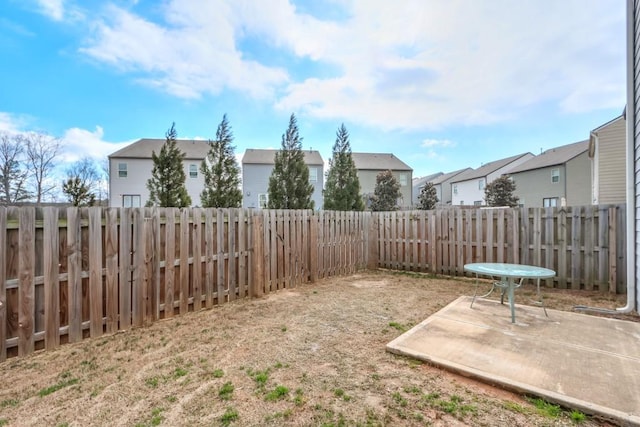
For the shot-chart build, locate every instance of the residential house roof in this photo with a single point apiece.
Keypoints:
(142, 148)
(419, 182)
(256, 156)
(379, 161)
(488, 168)
(447, 176)
(553, 157)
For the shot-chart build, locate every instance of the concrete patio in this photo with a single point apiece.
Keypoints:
(579, 361)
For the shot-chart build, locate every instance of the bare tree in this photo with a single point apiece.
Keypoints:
(42, 151)
(13, 174)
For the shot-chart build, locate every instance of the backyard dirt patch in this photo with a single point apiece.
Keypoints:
(311, 356)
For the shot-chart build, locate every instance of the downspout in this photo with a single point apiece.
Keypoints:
(631, 198)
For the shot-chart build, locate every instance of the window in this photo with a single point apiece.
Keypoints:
(403, 180)
(122, 170)
(313, 174)
(455, 188)
(193, 171)
(481, 184)
(131, 201)
(550, 202)
(477, 203)
(263, 200)
(555, 175)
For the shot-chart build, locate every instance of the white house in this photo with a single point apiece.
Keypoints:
(467, 188)
(130, 169)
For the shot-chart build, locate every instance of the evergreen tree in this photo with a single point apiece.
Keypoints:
(289, 186)
(167, 183)
(78, 193)
(386, 193)
(221, 171)
(342, 190)
(500, 192)
(428, 198)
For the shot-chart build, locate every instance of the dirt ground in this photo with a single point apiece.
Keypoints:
(311, 356)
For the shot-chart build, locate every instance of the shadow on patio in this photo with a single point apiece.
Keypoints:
(576, 360)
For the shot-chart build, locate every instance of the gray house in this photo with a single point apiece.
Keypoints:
(130, 169)
(560, 176)
(369, 165)
(607, 150)
(257, 165)
(442, 185)
(419, 183)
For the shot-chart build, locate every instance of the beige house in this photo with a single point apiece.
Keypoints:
(560, 176)
(607, 151)
(369, 165)
(130, 169)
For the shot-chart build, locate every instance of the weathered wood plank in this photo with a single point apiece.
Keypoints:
(242, 253)
(197, 259)
(576, 247)
(138, 269)
(3, 287)
(256, 284)
(169, 262)
(26, 294)
(232, 257)
(613, 250)
(184, 261)
(561, 236)
(51, 243)
(111, 263)
(220, 267)
(209, 248)
(95, 271)
(74, 277)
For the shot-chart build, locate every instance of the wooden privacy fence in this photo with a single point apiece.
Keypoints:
(585, 245)
(71, 273)
(67, 274)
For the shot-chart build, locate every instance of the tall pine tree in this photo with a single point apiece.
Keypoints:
(167, 183)
(500, 192)
(289, 186)
(342, 190)
(386, 193)
(221, 171)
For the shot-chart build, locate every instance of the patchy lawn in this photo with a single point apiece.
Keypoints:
(311, 356)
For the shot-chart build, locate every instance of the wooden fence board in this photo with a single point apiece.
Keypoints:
(3, 288)
(51, 254)
(74, 276)
(26, 301)
(197, 259)
(220, 267)
(576, 247)
(561, 238)
(169, 262)
(111, 263)
(138, 268)
(95, 270)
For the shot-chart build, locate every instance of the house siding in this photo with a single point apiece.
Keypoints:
(578, 172)
(139, 173)
(367, 180)
(633, 103)
(609, 165)
(534, 185)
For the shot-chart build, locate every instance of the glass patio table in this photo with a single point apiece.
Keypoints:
(511, 277)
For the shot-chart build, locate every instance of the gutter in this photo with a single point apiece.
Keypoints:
(631, 197)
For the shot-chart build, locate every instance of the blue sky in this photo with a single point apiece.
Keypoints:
(442, 84)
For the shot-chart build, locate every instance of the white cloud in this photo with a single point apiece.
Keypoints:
(192, 54)
(79, 143)
(54, 9)
(429, 143)
(408, 65)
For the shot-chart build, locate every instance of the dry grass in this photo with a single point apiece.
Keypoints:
(310, 356)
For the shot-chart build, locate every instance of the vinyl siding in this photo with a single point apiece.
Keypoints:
(367, 180)
(611, 163)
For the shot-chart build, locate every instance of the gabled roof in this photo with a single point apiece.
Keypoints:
(379, 162)
(620, 117)
(142, 148)
(488, 168)
(553, 157)
(418, 182)
(447, 176)
(256, 156)
(594, 133)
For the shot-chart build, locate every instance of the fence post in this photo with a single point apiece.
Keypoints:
(256, 287)
(372, 237)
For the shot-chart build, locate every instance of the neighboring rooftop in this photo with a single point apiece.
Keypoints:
(553, 157)
(142, 148)
(447, 176)
(419, 182)
(488, 168)
(379, 161)
(257, 156)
